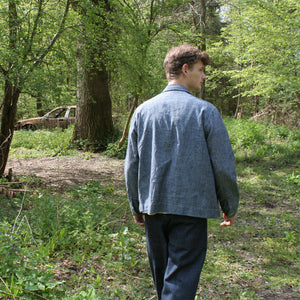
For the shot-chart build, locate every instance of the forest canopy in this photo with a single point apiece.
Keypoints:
(254, 47)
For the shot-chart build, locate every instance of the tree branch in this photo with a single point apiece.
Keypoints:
(124, 135)
(54, 39)
(3, 71)
(35, 25)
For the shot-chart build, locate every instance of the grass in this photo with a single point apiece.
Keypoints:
(82, 244)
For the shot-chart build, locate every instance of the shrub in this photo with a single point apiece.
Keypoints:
(114, 151)
(253, 140)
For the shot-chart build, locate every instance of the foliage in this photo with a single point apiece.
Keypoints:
(41, 143)
(29, 32)
(136, 60)
(263, 40)
(252, 140)
(24, 271)
(113, 150)
(53, 84)
(219, 88)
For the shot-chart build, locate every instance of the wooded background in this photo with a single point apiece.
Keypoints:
(106, 56)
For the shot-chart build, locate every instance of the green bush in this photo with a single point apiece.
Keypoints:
(114, 151)
(253, 140)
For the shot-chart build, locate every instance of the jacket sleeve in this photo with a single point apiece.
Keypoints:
(131, 169)
(222, 160)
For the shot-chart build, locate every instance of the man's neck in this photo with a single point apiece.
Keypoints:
(178, 81)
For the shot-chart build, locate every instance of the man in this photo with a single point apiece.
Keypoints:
(179, 168)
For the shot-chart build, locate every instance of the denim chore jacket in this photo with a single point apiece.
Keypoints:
(179, 159)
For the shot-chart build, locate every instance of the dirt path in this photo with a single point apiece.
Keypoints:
(64, 171)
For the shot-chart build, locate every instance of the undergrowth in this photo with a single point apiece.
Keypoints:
(251, 141)
(81, 243)
(254, 141)
(40, 143)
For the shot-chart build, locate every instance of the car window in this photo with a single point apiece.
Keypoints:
(58, 113)
(70, 113)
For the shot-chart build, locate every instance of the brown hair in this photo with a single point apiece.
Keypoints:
(184, 54)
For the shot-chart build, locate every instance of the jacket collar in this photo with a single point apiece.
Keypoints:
(176, 87)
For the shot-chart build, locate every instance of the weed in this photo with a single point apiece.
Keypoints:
(23, 272)
(113, 150)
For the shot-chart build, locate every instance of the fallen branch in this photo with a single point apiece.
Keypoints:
(263, 112)
(7, 192)
(19, 190)
(9, 187)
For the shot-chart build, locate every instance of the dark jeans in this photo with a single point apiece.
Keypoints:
(176, 249)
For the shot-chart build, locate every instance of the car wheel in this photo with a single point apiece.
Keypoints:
(29, 127)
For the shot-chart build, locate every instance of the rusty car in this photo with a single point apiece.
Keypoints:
(61, 116)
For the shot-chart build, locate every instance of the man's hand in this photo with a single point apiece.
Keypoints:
(139, 220)
(227, 221)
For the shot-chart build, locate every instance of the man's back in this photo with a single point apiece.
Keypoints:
(174, 134)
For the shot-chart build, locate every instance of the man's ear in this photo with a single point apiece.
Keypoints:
(185, 69)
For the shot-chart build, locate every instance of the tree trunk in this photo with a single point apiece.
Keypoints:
(39, 105)
(18, 64)
(94, 114)
(8, 120)
(199, 20)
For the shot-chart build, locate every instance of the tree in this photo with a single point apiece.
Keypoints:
(54, 82)
(29, 32)
(263, 39)
(197, 23)
(207, 24)
(145, 38)
(94, 115)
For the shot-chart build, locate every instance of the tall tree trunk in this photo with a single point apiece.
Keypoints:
(9, 112)
(199, 20)
(239, 108)
(13, 84)
(94, 113)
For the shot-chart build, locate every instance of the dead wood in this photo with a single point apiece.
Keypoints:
(7, 192)
(124, 136)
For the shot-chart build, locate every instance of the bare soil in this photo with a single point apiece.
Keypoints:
(62, 172)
